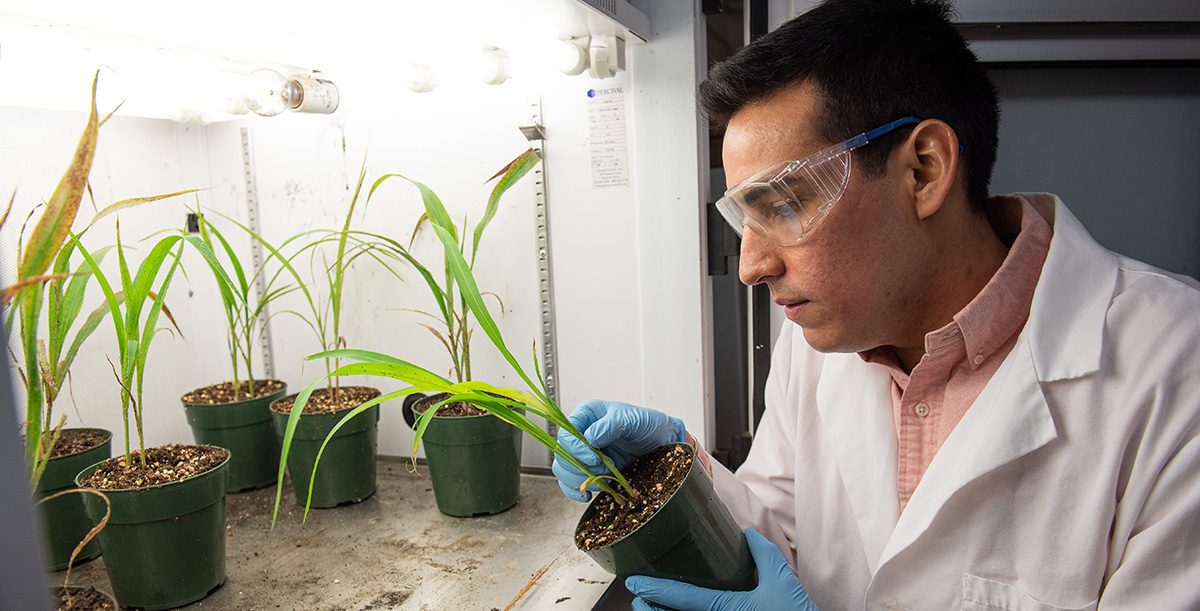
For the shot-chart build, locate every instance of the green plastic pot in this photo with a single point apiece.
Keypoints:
(164, 546)
(474, 462)
(347, 470)
(63, 520)
(692, 538)
(244, 428)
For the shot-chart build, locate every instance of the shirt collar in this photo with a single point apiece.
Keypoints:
(1002, 307)
(1000, 310)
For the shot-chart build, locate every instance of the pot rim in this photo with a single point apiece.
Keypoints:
(92, 468)
(338, 411)
(485, 414)
(187, 404)
(694, 465)
(84, 428)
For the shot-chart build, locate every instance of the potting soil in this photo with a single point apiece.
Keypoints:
(322, 400)
(224, 393)
(452, 410)
(655, 476)
(75, 441)
(164, 464)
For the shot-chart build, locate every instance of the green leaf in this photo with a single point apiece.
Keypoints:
(470, 292)
(89, 326)
(55, 223)
(224, 282)
(143, 349)
(110, 297)
(511, 173)
(134, 201)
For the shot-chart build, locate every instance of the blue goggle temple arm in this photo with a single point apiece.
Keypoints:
(862, 139)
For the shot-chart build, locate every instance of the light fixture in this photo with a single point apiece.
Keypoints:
(569, 56)
(417, 77)
(606, 55)
(269, 93)
(493, 65)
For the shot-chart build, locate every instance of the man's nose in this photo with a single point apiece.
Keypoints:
(758, 260)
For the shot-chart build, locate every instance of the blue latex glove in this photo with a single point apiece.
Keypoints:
(778, 588)
(622, 431)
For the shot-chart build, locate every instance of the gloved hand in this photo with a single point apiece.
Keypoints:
(778, 588)
(622, 431)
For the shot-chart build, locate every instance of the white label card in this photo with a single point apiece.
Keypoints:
(606, 137)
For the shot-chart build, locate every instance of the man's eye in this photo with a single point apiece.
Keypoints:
(782, 209)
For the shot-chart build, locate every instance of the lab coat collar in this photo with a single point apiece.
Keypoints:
(1070, 304)
(1008, 420)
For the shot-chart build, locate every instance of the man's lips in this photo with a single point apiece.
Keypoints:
(793, 308)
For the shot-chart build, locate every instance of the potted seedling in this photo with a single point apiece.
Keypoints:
(348, 474)
(62, 519)
(474, 457)
(673, 526)
(54, 454)
(164, 545)
(236, 414)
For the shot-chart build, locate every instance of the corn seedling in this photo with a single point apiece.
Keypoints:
(46, 365)
(134, 326)
(323, 317)
(508, 404)
(243, 317)
(454, 313)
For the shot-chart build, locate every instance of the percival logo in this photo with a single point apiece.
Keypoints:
(611, 90)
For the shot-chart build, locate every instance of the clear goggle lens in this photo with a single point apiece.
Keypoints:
(784, 202)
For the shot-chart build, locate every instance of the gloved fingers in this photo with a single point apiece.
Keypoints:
(636, 430)
(577, 449)
(566, 472)
(571, 476)
(587, 413)
(642, 605)
(609, 428)
(676, 594)
(574, 494)
(631, 429)
(767, 556)
(774, 572)
(765, 553)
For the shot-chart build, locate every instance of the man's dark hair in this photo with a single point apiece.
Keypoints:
(873, 61)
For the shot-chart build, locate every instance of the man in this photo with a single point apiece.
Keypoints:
(978, 407)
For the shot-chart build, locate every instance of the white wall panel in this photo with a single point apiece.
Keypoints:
(135, 157)
(627, 262)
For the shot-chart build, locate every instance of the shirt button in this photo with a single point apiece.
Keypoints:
(978, 359)
(921, 409)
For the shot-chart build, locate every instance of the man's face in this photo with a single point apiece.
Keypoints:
(851, 280)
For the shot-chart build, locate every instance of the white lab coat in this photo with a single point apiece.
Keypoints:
(1072, 482)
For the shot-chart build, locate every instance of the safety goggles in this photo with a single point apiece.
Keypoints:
(785, 201)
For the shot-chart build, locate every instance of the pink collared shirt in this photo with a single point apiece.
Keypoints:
(961, 357)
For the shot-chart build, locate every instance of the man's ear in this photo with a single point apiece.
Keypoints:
(931, 153)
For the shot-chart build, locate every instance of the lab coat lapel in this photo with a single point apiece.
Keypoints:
(854, 400)
(1008, 420)
(1011, 418)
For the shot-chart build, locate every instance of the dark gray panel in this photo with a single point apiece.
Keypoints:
(1119, 145)
(22, 581)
